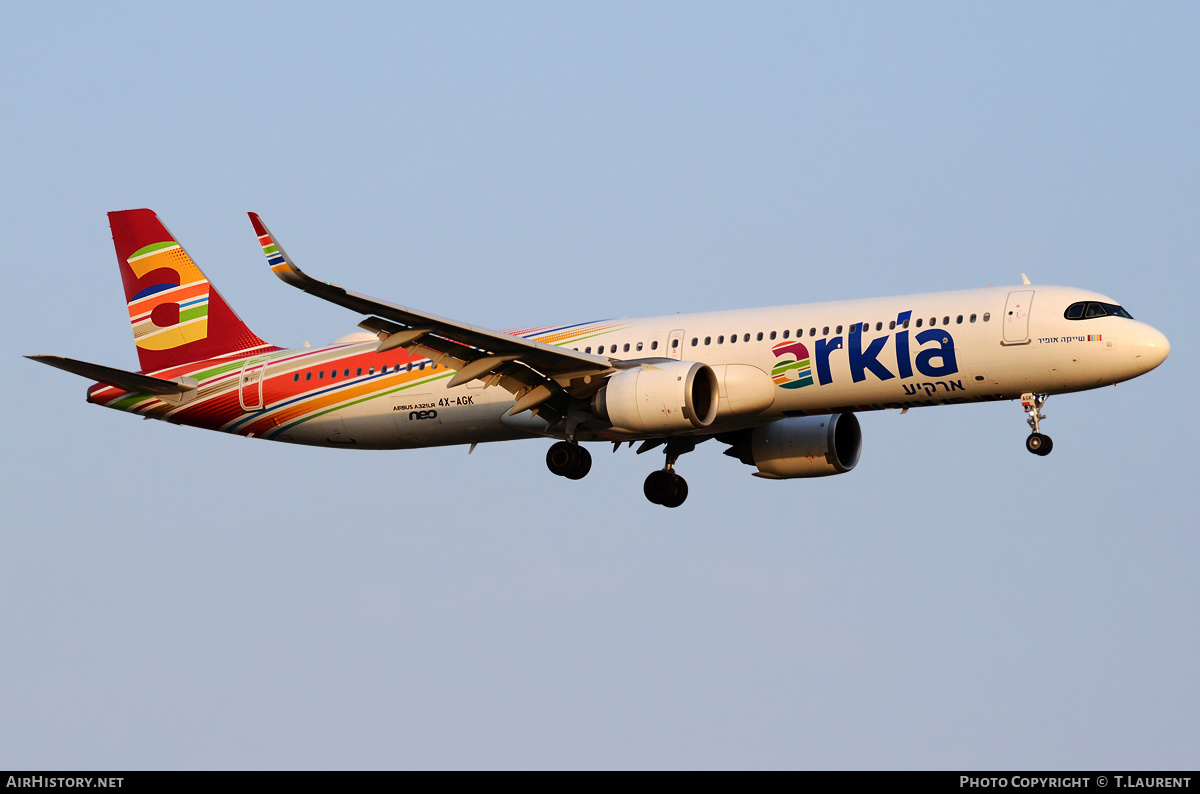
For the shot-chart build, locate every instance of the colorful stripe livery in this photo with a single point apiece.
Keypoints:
(269, 395)
(168, 314)
(794, 373)
(176, 315)
(274, 256)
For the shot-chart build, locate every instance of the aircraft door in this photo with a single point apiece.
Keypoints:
(1016, 317)
(250, 392)
(675, 344)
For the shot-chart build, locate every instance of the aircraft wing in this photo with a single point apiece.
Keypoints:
(534, 372)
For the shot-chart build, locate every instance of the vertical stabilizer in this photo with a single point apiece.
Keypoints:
(176, 314)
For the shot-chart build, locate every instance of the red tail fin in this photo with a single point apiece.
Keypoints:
(176, 314)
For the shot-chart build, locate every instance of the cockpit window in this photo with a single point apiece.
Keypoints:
(1087, 310)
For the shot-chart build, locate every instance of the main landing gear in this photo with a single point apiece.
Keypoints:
(569, 460)
(1037, 443)
(665, 487)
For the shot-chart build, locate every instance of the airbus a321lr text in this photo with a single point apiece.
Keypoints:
(780, 386)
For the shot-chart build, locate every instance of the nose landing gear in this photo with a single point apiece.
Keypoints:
(569, 460)
(1037, 443)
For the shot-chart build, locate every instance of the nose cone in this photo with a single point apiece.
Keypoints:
(1152, 348)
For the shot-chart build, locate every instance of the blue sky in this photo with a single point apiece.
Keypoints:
(174, 598)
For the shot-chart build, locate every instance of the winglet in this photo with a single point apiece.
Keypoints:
(281, 264)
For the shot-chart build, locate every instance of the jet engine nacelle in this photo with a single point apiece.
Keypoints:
(659, 398)
(801, 446)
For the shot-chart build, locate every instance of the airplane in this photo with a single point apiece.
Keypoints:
(781, 386)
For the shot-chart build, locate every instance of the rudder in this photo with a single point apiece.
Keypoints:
(177, 315)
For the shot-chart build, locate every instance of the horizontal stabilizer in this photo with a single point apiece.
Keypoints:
(129, 381)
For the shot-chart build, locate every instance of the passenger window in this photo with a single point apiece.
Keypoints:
(772, 336)
(296, 378)
(987, 316)
(333, 373)
(708, 340)
(720, 340)
(732, 338)
(811, 332)
(408, 367)
(760, 336)
(892, 325)
(626, 347)
(371, 371)
(358, 372)
(932, 321)
(946, 320)
(959, 320)
(919, 322)
(308, 376)
(321, 375)
(695, 341)
(839, 329)
(825, 331)
(587, 350)
(746, 338)
(639, 347)
(906, 322)
(786, 332)
(854, 328)
(878, 326)
(972, 318)
(674, 344)
(654, 345)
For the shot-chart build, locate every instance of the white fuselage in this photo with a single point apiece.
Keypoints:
(971, 345)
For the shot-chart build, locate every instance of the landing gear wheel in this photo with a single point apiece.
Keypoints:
(583, 464)
(680, 492)
(569, 460)
(658, 486)
(665, 488)
(1039, 444)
